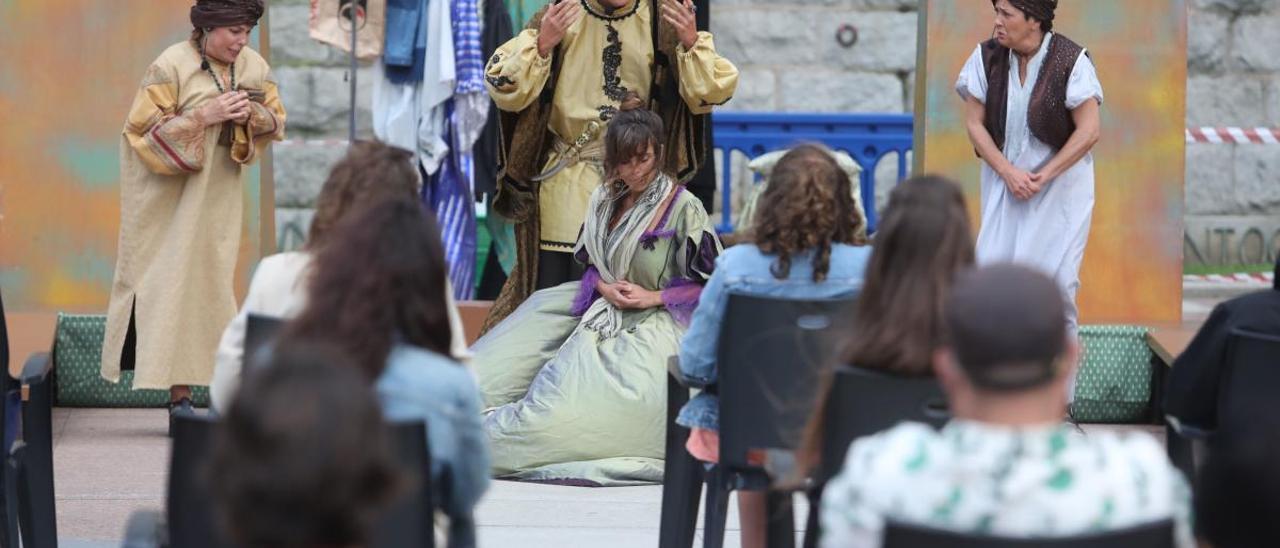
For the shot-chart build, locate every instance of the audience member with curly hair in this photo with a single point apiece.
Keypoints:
(802, 247)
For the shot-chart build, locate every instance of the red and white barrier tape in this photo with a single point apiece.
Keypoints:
(1246, 278)
(1211, 135)
(1236, 135)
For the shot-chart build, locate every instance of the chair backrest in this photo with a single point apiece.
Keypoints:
(408, 522)
(771, 357)
(4, 337)
(862, 402)
(1251, 380)
(259, 330)
(1152, 535)
(190, 503)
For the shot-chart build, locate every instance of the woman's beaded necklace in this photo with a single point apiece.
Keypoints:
(231, 72)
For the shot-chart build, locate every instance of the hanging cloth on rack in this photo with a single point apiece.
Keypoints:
(411, 115)
(328, 25)
(405, 52)
(496, 31)
(523, 10)
(448, 194)
(471, 99)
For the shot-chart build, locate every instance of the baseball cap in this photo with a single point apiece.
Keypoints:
(1007, 326)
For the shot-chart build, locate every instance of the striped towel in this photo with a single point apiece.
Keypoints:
(448, 193)
(470, 97)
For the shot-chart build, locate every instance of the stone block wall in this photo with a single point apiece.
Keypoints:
(1233, 191)
(315, 91)
(791, 62)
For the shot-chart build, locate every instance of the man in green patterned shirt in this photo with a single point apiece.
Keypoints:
(1006, 465)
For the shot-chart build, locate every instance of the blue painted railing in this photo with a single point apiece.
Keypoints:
(865, 137)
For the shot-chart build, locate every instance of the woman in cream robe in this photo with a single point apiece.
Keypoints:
(181, 201)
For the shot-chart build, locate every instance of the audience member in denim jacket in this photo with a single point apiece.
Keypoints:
(745, 269)
(377, 293)
(803, 248)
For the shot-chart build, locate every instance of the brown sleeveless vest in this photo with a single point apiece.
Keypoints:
(1047, 115)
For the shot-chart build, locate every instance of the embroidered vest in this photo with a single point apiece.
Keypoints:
(1047, 115)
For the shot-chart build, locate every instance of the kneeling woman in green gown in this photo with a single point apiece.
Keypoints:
(574, 381)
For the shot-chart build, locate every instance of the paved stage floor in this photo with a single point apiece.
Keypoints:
(111, 462)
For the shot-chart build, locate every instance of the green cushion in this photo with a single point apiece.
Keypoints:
(1114, 382)
(77, 358)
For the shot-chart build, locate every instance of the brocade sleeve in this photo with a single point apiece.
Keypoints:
(167, 141)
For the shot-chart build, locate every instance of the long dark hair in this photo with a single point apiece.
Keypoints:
(303, 457)
(379, 280)
(924, 239)
(370, 172)
(631, 132)
(809, 207)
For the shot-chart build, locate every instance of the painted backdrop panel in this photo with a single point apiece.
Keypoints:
(70, 71)
(1133, 263)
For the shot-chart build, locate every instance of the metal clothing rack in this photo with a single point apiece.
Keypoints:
(354, 11)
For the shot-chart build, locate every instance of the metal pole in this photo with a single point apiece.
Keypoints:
(353, 12)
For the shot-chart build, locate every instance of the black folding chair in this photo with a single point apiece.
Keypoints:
(189, 507)
(682, 475)
(408, 523)
(1152, 535)
(27, 475)
(32, 456)
(1247, 387)
(771, 357)
(259, 331)
(862, 402)
(1252, 378)
(10, 414)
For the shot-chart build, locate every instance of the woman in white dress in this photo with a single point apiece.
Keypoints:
(1032, 113)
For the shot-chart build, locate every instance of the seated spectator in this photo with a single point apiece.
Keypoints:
(1238, 491)
(923, 241)
(301, 459)
(1192, 393)
(1007, 465)
(763, 167)
(802, 248)
(377, 292)
(370, 171)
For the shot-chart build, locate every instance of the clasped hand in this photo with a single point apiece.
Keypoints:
(560, 16)
(1023, 184)
(628, 296)
(232, 105)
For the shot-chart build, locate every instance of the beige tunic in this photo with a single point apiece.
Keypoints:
(604, 57)
(181, 207)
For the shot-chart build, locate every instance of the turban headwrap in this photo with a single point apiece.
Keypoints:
(225, 13)
(1040, 10)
